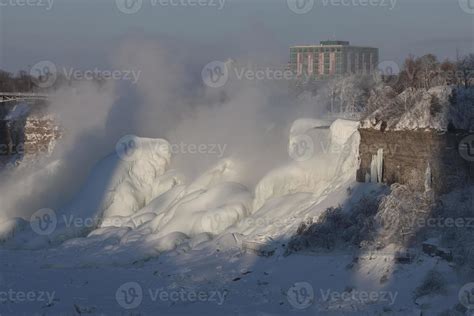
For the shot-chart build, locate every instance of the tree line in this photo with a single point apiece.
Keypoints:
(20, 82)
(427, 71)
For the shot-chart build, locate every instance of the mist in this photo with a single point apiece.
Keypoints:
(245, 120)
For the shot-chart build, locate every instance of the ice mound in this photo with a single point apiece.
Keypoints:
(328, 157)
(138, 208)
(118, 187)
(301, 126)
(224, 170)
(209, 211)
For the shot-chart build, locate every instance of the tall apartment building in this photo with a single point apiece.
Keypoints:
(332, 58)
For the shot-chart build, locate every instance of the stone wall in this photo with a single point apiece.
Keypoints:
(407, 155)
(28, 136)
(40, 135)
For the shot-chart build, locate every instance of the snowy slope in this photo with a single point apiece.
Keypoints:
(436, 108)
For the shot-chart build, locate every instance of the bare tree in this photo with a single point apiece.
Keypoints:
(465, 66)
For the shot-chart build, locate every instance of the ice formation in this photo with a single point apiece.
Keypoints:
(136, 205)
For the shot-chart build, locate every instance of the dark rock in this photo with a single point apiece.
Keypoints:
(407, 154)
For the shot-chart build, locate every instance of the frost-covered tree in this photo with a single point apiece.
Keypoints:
(465, 66)
(349, 94)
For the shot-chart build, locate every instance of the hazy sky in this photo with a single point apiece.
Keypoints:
(83, 33)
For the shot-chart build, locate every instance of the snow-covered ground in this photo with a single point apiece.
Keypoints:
(437, 108)
(138, 239)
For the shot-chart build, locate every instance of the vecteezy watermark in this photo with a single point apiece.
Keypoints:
(361, 3)
(269, 221)
(44, 221)
(133, 6)
(359, 296)
(129, 6)
(23, 149)
(300, 6)
(467, 6)
(202, 149)
(215, 74)
(130, 295)
(431, 222)
(339, 149)
(466, 148)
(300, 295)
(45, 74)
(466, 295)
(266, 73)
(93, 222)
(47, 4)
(389, 70)
(101, 74)
(301, 148)
(128, 148)
(15, 296)
(445, 222)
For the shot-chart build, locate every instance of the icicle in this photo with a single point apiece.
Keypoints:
(373, 169)
(428, 178)
(367, 177)
(376, 167)
(380, 165)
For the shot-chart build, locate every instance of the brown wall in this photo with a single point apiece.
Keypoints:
(407, 154)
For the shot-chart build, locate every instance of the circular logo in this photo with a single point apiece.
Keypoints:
(301, 148)
(129, 295)
(129, 6)
(44, 221)
(44, 74)
(467, 6)
(127, 148)
(215, 74)
(466, 148)
(389, 71)
(300, 295)
(466, 295)
(300, 6)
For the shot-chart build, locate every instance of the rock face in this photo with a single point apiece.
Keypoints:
(440, 108)
(418, 158)
(25, 133)
(40, 134)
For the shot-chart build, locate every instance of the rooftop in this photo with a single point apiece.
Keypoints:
(332, 43)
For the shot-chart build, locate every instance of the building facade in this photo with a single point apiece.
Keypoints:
(332, 58)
